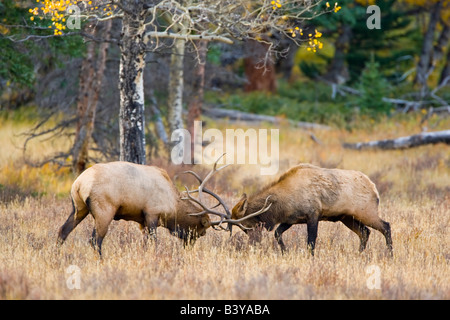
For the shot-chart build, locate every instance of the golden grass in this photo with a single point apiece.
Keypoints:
(414, 188)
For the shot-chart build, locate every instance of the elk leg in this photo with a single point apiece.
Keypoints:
(98, 234)
(151, 221)
(387, 234)
(385, 228)
(96, 242)
(145, 234)
(93, 235)
(72, 221)
(101, 225)
(359, 228)
(188, 240)
(255, 235)
(278, 233)
(312, 224)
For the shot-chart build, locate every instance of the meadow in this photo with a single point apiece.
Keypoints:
(414, 186)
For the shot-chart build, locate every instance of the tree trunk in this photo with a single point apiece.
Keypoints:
(285, 63)
(198, 83)
(259, 69)
(423, 66)
(439, 48)
(131, 87)
(338, 70)
(403, 142)
(445, 74)
(91, 78)
(176, 85)
(157, 119)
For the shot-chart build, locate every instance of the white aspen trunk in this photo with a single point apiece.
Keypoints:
(176, 85)
(196, 96)
(131, 86)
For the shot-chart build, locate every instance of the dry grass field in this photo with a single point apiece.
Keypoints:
(414, 186)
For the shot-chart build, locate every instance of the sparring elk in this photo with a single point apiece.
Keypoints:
(309, 194)
(133, 192)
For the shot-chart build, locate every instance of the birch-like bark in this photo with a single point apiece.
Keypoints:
(131, 87)
(176, 84)
(196, 97)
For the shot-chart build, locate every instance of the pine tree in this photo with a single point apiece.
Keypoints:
(373, 87)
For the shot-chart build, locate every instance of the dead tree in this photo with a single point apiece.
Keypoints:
(403, 142)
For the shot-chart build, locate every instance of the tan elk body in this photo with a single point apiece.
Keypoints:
(309, 194)
(123, 190)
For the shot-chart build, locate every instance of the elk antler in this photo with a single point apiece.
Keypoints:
(201, 187)
(207, 210)
(224, 217)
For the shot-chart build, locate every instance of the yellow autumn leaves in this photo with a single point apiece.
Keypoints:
(313, 43)
(336, 6)
(276, 4)
(57, 11)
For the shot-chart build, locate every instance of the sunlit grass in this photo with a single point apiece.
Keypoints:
(414, 189)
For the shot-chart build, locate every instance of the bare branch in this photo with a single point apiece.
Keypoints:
(187, 37)
(41, 37)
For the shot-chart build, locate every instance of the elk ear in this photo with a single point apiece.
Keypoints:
(241, 206)
(206, 222)
(244, 205)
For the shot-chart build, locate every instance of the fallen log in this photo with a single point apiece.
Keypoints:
(235, 115)
(403, 142)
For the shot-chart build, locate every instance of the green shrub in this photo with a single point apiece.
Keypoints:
(373, 87)
(288, 106)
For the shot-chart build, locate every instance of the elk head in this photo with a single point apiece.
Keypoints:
(225, 217)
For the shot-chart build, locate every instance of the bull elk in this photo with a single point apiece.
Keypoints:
(123, 190)
(309, 194)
